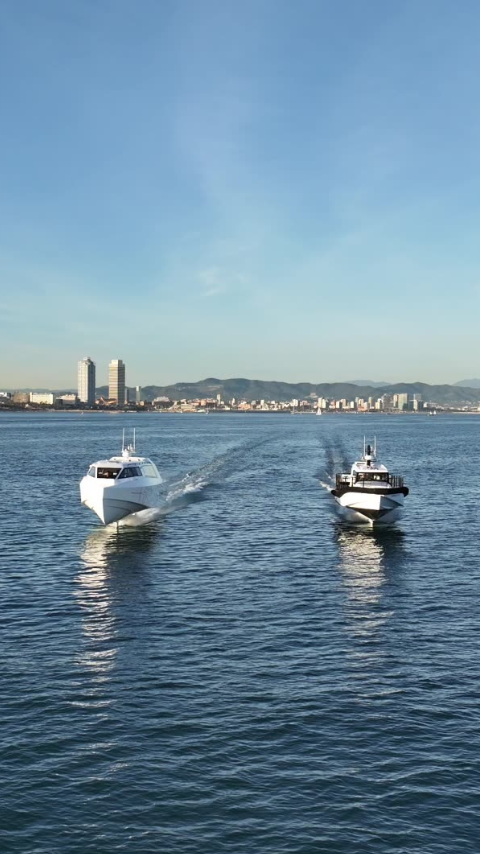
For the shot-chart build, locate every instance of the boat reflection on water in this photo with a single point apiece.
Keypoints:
(111, 548)
(109, 589)
(368, 560)
(370, 563)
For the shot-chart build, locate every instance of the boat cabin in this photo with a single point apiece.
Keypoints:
(369, 474)
(117, 469)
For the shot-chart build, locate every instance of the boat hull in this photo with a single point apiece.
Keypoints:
(366, 508)
(115, 501)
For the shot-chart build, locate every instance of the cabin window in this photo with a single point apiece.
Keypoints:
(376, 476)
(148, 470)
(131, 471)
(107, 473)
(91, 471)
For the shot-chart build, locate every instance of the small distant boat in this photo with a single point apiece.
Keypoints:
(121, 486)
(369, 493)
(433, 412)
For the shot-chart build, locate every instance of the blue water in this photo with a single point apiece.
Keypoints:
(246, 674)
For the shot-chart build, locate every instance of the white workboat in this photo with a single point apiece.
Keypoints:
(121, 486)
(369, 493)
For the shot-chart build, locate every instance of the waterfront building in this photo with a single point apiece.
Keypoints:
(417, 401)
(45, 398)
(86, 381)
(116, 381)
(138, 394)
(67, 400)
(402, 402)
(387, 400)
(162, 402)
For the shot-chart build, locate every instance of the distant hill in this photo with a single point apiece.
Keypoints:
(468, 384)
(369, 383)
(242, 388)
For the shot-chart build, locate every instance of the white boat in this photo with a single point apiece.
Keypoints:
(121, 486)
(369, 493)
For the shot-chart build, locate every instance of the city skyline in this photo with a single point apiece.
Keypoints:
(255, 186)
(319, 400)
(118, 390)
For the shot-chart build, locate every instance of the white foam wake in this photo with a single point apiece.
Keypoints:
(325, 485)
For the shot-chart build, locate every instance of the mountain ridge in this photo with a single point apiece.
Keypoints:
(246, 389)
(473, 383)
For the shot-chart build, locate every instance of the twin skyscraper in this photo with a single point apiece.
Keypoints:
(87, 381)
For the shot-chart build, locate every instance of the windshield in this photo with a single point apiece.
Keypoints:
(148, 470)
(131, 471)
(107, 472)
(378, 476)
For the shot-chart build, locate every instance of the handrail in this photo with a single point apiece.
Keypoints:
(393, 480)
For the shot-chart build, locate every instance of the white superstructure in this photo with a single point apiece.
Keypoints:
(369, 493)
(117, 487)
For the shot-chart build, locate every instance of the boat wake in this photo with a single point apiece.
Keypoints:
(179, 496)
(336, 457)
(189, 485)
(143, 517)
(182, 492)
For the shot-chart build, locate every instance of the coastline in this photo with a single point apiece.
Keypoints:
(52, 411)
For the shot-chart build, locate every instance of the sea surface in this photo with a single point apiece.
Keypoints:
(246, 673)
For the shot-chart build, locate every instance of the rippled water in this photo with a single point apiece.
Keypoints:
(246, 674)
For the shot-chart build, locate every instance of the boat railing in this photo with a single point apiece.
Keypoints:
(393, 480)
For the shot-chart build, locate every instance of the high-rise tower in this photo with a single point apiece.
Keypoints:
(86, 381)
(116, 381)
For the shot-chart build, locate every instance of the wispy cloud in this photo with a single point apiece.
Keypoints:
(213, 282)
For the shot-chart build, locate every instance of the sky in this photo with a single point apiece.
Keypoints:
(265, 189)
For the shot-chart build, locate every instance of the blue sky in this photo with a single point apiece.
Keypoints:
(261, 188)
